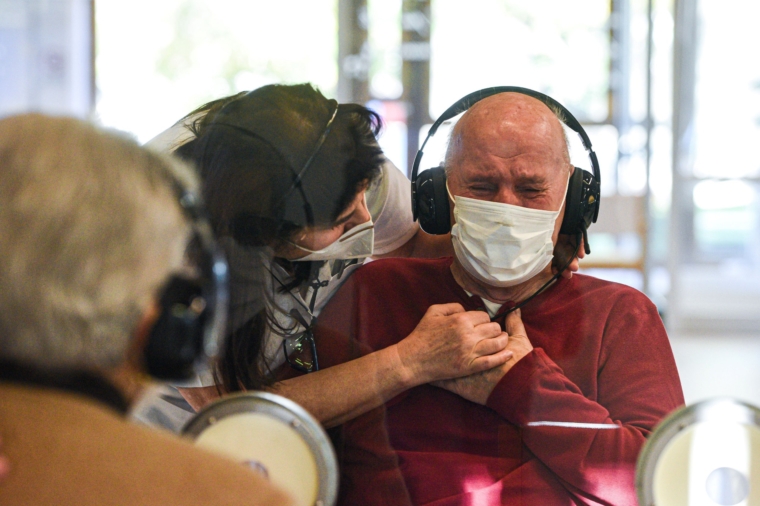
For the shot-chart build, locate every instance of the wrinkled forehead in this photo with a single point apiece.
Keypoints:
(513, 123)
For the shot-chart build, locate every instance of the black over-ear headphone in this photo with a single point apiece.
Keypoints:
(430, 200)
(193, 304)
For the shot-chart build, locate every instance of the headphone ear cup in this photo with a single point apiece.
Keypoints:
(571, 223)
(581, 204)
(176, 339)
(433, 201)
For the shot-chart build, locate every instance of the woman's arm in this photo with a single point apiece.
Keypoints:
(336, 394)
(345, 391)
(447, 343)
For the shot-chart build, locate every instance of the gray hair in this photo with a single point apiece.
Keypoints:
(90, 228)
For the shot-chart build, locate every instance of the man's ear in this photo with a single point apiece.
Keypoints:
(452, 220)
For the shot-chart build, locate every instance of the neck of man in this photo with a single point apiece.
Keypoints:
(501, 295)
(128, 379)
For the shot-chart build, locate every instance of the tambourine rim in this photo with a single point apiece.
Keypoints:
(312, 432)
(678, 421)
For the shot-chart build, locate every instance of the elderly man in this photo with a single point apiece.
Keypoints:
(592, 372)
(91, 230)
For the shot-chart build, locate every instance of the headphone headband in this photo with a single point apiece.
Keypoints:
(213, 274)
(464, 103)
(297, 181)
(317, 147)
(471, 99)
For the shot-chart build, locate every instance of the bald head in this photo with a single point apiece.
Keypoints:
(508, 123)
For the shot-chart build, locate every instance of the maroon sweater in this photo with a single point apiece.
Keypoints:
(563, 426)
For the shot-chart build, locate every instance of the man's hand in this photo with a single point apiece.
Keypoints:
(565, 248)
(478, 387)
(450, 343)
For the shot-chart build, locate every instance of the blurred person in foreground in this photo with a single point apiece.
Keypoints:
(91, 230)
(591, 372)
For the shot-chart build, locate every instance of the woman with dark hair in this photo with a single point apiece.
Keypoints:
(285, 168)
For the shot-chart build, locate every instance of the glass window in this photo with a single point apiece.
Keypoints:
(554, 47)
(157, 61)
(727, 91)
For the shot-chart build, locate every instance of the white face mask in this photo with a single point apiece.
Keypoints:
(357, 242)
(501, 244)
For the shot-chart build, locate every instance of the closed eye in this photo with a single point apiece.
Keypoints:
(482, 188)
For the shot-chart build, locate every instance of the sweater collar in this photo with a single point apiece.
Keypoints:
(475, 302)
(81, 382)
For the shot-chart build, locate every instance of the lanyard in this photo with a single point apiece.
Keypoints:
(309, 309)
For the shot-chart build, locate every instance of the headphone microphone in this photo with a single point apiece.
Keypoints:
(430, 200)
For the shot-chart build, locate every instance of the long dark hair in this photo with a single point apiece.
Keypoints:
(249, 149)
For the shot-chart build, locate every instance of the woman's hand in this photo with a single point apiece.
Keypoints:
(450, 342)
(478, 387)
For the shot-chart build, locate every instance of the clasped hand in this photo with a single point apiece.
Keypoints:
(462, 351)
(478, 387)
(450, 342)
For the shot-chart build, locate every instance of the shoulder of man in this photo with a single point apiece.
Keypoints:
(620, 306)
(216, 479)
(86, 454)
(596, 287)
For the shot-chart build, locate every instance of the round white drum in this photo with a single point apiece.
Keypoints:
(275, 437)
(707, 454)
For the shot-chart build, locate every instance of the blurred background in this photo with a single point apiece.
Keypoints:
(668, 91)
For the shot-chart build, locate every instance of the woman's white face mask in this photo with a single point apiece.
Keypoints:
(357, 242)
(501, 244)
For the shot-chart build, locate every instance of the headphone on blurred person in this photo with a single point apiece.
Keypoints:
(430, 201)
(193, 303)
